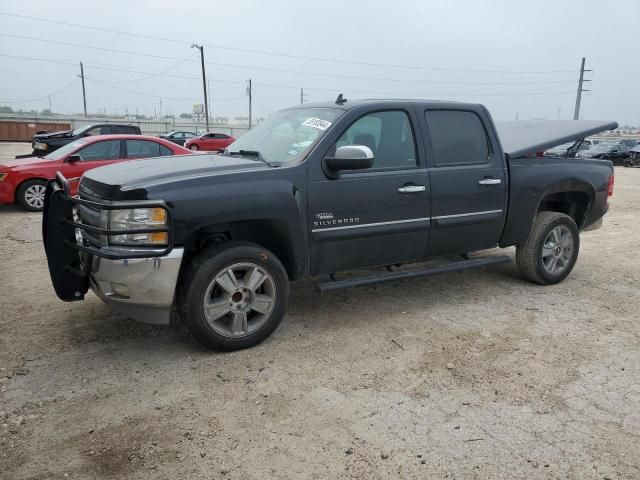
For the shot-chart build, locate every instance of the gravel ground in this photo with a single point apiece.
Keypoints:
(466, 375)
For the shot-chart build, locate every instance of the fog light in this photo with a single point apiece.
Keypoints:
(120, 289)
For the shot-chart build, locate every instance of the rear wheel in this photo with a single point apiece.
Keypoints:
(234, 295)
(551, 249)
(194, 148)
(30, 195)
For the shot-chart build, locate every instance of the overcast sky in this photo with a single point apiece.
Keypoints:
(517, 57)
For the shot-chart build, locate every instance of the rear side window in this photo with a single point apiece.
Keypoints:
(145, 149)
(123, 129)
(457, 138)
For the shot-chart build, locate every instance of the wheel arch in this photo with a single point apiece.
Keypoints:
(22, 182)
(272, 234)
(571, 198)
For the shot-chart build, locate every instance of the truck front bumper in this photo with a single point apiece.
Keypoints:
(137, 282)
(141, 288)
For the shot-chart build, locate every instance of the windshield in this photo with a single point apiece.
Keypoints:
(602, 147)
(79, 130)
(288, 135)
(64, 151)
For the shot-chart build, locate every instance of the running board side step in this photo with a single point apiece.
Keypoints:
(417, 273)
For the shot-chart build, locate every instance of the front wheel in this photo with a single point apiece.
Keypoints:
(194, 148)
(234, 295)
(30, 195)
(551, 249)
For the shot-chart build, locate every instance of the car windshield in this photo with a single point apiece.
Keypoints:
(79, 130)
(64, 151)
(601, 147)
(288, 135)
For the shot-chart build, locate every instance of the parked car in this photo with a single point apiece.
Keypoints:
(210, 142)
(616, 152)
(179, 138)
(633, 160)
(566, 149)
(45, 143)
(365, 184)
(23, 180)
(629, 142)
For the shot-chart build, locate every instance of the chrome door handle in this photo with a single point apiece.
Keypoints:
(412, 189)
(490, 181)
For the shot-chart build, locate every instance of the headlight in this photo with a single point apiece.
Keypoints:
(40, 145)
(3, 176)
(137, 218)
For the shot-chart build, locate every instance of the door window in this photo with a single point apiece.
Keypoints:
(123, 129)
(107, 150)
(457, 138)
(145, 149)
(388, 134)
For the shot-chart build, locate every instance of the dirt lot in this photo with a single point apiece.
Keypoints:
(468, 375)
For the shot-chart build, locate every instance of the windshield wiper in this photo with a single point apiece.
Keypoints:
(251, 153)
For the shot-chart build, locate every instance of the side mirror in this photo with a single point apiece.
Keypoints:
(350, 157)
(73, 158)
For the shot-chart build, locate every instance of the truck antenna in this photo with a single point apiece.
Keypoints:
(340, 100)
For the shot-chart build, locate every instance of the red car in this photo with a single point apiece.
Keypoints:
(210, 142)
(23, 180)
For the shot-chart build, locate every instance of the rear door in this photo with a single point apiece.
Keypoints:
(94, 155)
(376, 216)
(468, 181)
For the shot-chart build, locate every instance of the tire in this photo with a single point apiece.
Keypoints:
(30, 195)
(239, 315)
(194, 148)
(554, 237)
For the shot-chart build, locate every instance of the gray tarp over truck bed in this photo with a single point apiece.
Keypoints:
(520, 138)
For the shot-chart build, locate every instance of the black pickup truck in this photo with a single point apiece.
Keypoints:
(318, 189)
(44, 143)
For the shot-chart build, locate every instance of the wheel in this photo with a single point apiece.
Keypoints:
(194, 148)
(30, 195)
(551, 249)
(233, 295)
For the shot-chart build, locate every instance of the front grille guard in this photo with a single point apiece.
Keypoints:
(60, 187)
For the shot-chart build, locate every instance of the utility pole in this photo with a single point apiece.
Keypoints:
(160, 107)
(303, 96)
(210, 95)
(84, 92)
(576, 112)
(204, 84)
(250, 93)
(50, 104)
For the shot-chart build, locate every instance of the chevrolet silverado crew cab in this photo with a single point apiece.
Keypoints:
(318, 189)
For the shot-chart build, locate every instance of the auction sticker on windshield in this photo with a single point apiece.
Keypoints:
(316, 123)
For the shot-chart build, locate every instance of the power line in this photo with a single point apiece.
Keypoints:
(160, 72)
(136, 92)
(44, 96)
(286, 55)
(279, 70)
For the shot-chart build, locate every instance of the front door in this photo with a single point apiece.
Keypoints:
(468, 182)
(93, 155)
(376, 216)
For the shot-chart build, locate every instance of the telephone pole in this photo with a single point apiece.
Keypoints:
(210, 95)
(84, 92)
(204, 84)
(301, 96)
(576, 112)
(250, 93)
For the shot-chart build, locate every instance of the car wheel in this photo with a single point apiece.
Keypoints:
(194, 148)
(30, 195)
(551, 249)
(233, 295)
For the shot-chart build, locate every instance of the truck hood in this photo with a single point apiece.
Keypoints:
(522, 138)
(121, 180)
(48, 136)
